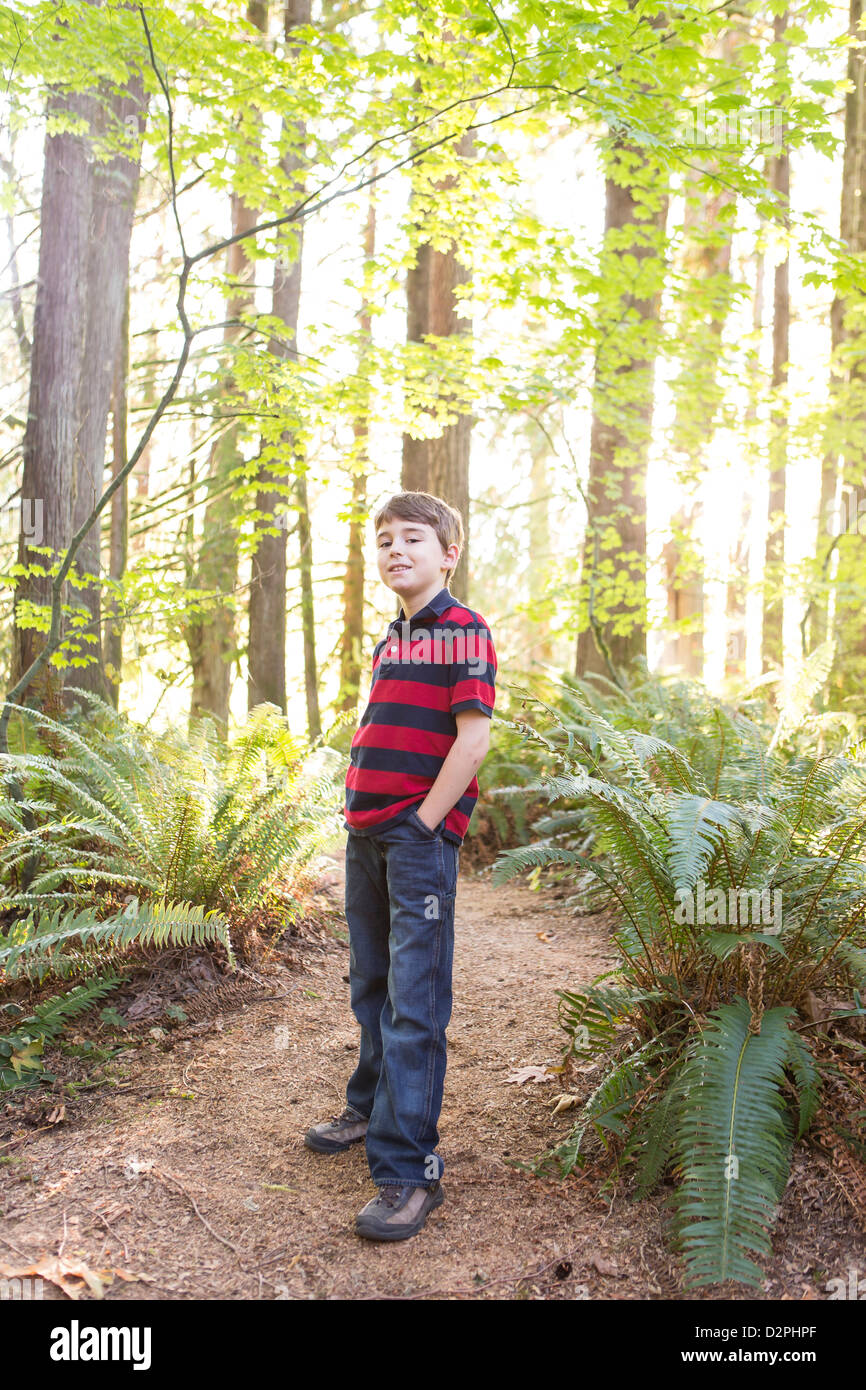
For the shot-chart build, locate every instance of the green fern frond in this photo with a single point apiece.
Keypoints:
(696, 826)
(807, 1080)
(21, 1049)
(516, 861)
(597, 1011)
(155, 923)
(654, 1138)
(732, 1144)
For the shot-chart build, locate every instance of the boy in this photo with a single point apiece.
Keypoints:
(410, 792)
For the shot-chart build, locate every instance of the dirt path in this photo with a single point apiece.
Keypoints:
(197, 1181)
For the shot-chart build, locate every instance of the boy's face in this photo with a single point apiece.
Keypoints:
(410, 557)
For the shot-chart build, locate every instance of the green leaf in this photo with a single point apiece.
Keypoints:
(732, 1144)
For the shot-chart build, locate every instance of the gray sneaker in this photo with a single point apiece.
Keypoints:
(398, 1212)
(338, 1133)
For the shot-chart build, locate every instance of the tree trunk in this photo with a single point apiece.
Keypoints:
(57, 360)
(267, 607)
(211, 636)
(16, 301)
(707, 262)
(684, 582)
(613, 577)
(352, 639)
(539, 545)
(308, 624)
(738, 563)
(119, 542)
(441, 465)
(114, 191)
(838, 612)
(772, 641)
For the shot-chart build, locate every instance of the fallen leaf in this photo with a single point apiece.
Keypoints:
(565, 1103)
(26, 1058)
(544, 936)
(60, 1271)
(536, 1074)
(603, 1266)
(57, 1114)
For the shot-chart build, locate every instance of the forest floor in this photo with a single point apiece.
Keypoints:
(187, 1177)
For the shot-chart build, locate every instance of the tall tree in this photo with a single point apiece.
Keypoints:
(56, 362)
(118, 549)
(352, 632)
(113, 195)
(86, 222)
(705, 264)
(837, 607)
(211, 635)
(441, 465)
(736, 597)
(540, 453)
(613, 575)
(772, 642)
(267, 606)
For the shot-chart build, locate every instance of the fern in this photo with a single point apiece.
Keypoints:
(654, 1138)
(159, 924)
(807, 1079)
(731, 1144)
(671, 790)
(695, 826)
(21, 1049)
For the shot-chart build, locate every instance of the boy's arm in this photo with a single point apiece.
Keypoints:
(463, 760)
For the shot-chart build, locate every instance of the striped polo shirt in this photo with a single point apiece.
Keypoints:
(425, 670)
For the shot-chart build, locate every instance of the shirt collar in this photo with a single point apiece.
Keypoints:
(437, 605)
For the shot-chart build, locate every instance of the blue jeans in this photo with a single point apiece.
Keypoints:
(400, 891)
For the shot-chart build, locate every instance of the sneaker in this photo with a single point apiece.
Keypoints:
(338, 1133)
(398, 1212)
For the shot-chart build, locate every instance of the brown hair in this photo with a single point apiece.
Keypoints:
(423, 506)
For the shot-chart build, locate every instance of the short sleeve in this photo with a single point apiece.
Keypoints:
(473, 669)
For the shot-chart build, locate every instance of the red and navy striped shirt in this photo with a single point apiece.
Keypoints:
(425, 670)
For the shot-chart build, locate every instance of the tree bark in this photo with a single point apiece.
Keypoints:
(613, 577)
(119, 534)
(267, 607)
(837, 612)
(352, 639)
(440, 465)
(211, 635)
(707, 263)
(114, 192)
(772, 640)
(308, 624)
(739, 556)
(539, 544)
(57, 361)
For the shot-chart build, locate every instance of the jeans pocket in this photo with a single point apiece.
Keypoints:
(416, 820)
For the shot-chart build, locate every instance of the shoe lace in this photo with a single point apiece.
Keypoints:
(390, 1195)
